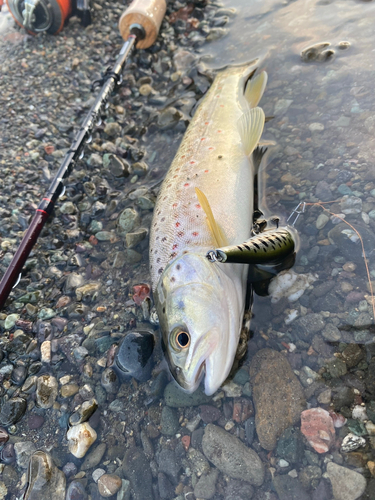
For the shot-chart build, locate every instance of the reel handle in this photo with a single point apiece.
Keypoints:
(147, 13)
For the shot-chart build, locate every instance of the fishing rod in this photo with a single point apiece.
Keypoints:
(139, 26)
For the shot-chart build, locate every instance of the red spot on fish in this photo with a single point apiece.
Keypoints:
(175, 176)
(175, 246)
(195, 233)
(206, 171)
(206, 123)
(198, 206)
(210, 148)
(219, 131)
(183, 156)
(175, 205)
(221, 105)
(203, 139)
(192, 162)
(178, 224)
(217, 96)
(186, 184)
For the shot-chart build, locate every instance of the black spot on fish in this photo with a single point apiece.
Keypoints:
(160, 270)
(278, 239)
(239, 248)
(163, 310)
(178, 267)
(264, 243)
(256, 245)
(247, 247)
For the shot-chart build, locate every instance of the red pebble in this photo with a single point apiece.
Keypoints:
(140, 293)
(242, 410)
(317, 427)
(93, 240)
(186, 442)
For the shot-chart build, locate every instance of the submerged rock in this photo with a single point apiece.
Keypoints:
(137, 469)
(346, 483)
(278, 396)
(231, 456)
(134, 357)
(80, 438)
(46, 392)
(12, 411)
(317, 426)
(45, 480)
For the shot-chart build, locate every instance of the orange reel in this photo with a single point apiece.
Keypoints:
(40, 15)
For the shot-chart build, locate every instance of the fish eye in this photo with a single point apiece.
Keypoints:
(182, 339)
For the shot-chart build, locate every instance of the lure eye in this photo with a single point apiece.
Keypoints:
(182, 340)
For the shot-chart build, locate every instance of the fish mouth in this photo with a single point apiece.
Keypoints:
(190, 376)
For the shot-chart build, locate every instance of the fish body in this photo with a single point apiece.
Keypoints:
(200, 305)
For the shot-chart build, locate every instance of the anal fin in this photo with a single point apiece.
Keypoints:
(216, 230)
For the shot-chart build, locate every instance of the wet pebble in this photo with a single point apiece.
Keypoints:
(134, 355)
(231, 456)
(46, 392)
(12, 411)
(45, 480)
(76, 491)
(137, 470)
(35, 421)
(8, 454)
(94, 457)
(109, 484)
(169, 421)
(317, 426)
(278, 396)
(80, 437)
(206, 486)
(23, 451)
(289, 488)
(346, 483)
(109, 381)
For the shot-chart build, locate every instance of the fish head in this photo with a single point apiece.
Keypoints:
(200, 316)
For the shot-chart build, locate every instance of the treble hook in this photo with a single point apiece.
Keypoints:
(297, 212)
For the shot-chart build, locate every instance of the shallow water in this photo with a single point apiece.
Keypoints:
(323, 127)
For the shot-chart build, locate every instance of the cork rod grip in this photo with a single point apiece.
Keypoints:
(149, 14)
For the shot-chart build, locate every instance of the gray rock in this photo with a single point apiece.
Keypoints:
(137, 469)
(206, 486)
(12, 411)
(289, 488)
(238, 490)
(46, 391)
(346, 483)
(93, 458)
(76, 491)
(135, 237)
(305, 326)
(128, 220)
(112, 129)
(166, 489)
(231, 456)
(278, 396)
(116, 165)
(24, 450)
(169, 464)
(45, 480)
(169, 421)
(110, 381)
(177, 398)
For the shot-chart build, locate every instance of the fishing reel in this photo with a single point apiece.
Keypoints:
(48, 15)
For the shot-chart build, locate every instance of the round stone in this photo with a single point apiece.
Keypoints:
(109, 484)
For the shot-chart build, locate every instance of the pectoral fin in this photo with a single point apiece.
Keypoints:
(214, 226)
(250, 127)
(255, 88)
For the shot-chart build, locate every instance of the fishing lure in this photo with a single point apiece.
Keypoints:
(264, 248)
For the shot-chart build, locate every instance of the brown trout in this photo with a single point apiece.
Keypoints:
(206, 201)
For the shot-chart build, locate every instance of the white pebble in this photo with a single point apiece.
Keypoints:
(359, 413)
(45, 351)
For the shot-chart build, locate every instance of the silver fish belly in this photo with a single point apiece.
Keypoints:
(200, 305)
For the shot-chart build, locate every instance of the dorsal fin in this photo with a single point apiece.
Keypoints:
(250, 127)
(254, 89)
(216, 231)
